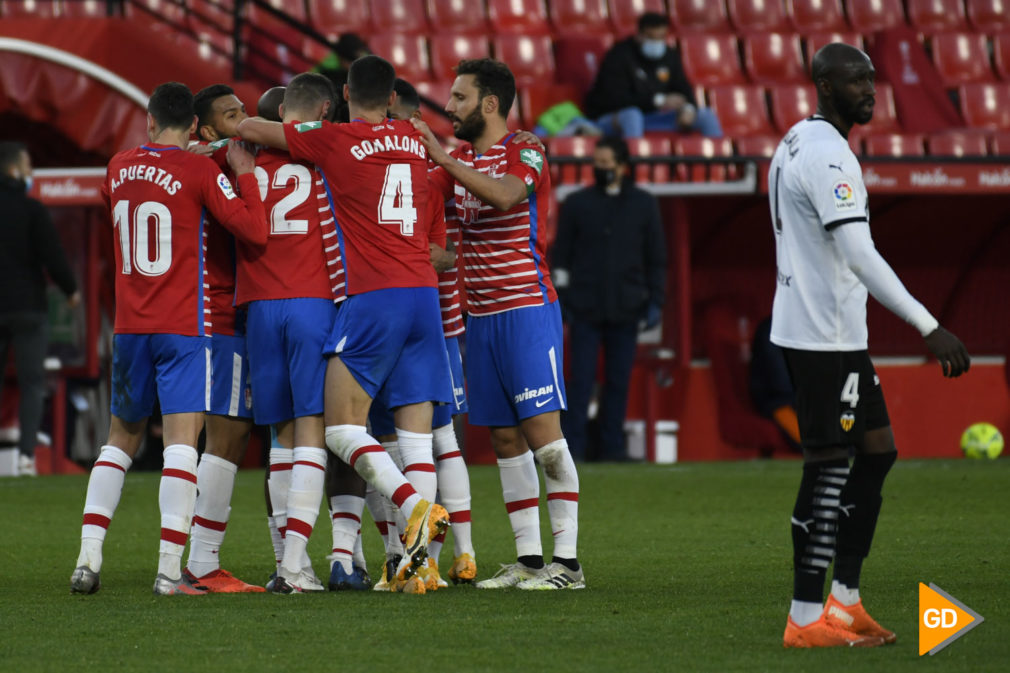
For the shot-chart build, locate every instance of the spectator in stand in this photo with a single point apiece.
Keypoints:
(609, 264)
(641, 86)
(29, 248)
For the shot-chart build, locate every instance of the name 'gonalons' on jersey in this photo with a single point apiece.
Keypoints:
(815, 185)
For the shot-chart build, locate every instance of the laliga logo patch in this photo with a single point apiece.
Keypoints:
(225, 186)
(847, 420)
(843, 195)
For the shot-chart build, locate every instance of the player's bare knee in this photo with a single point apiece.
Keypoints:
(507, 442)
(876, 442)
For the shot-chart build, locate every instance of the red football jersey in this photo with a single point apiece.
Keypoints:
(376, 179)
(504, 253)
(220, 250)
(448, 280)
(157, 195)
(293, 264)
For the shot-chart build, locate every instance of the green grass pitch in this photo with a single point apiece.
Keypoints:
(688, 569)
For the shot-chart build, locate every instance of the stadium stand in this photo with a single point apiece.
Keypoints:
(757, 16)
(774, 58)
(869, 16)
(961, 58)
(624, 14)
(399, 16)
(530, 57)
(333, 17)
(699, 16)
(791, 103)
(585, 17)
(526, 17)
(815, 41)
(894, 145)
(934, 16)
(711, 59)
(451, 48)
(741, 109)
(816, 16)
(957, 144)
(578, 57)
(757, 146)
(457, 16)
(988, 16)
(986, 105)
(1001, 55)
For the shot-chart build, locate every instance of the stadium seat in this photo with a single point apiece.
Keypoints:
(741, 109)
(772, 58)
(885, 115)
(755, 16)
(894, 145)
(816, 16)
(399, 16)
(437, 94)
(624, 14)
(407, 53)
(757, 146)
(530, 57)
(458, 16)
(709, 148)
(152, 11)
(333, 17)
(933, 16)
(575, 146)
(577, 59)
(869, 16)
(699, 16)
(264, 20)
(791, 103)
(989, 16)
(534, 100)
(36, 9)
(999, 143)
(447, 50)
(957, 144)
(1001, 55)
(651, 146)
(815, 41)
(711, 59)
(528, 17)
(85, 9)
(986, 105)
(961, 58)
(585, 17)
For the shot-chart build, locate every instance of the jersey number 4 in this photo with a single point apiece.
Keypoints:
(850, 391)
(151, 256)
(279, 222)
(396, 205)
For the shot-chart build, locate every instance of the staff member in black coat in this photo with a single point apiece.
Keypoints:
(29, 245)
(609, 264)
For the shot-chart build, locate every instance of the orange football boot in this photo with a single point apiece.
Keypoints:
(823, 633)
(854, 618)
(223, 582)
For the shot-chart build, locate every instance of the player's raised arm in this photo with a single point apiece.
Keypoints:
(244, 218)
(262, 132)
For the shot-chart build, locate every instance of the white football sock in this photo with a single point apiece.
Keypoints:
(453, 487)
(105, 486)
(521, 490)
(215, 481)
(805, 612)
(308, 475)
(418, 465)
(353, 445)
(562, 485)
(345, 518)
(844, 594)
(176, 499)
(278, 483)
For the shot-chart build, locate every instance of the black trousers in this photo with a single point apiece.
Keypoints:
(619, 342)
(27, 332)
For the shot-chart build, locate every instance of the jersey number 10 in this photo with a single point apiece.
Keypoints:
(139, 255)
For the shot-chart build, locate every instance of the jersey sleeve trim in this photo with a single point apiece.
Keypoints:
(848, 220)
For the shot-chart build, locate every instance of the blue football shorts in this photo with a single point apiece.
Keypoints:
(171, 368)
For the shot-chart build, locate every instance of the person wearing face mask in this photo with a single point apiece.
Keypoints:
(609, 262)
(641, 86)
(29, 246)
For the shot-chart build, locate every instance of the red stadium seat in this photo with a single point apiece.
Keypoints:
(528, 17)
(885, 115)
(757, 146)
(447, 50)
(333, 17)
(438, 94)
(624, 14)
(575, 146)
(651, 146)
(932, 16)
(791, 103)
(585, 17)
(869, 16)
(534, 100)
(817, 40)
(150, 11)
(699, 16)
(399, 16)
(577, 59)
(1001, 54)
(407, 53)
(989, 16)
(894, 145)
(999, 143)
(961, 58)
(957, 144)
(741, 109)
(986, 105)
(530, 57)
(774, 57)
(711, 59)
(755, 16)
(38, 9)
(709, 148)
(816, 16)
(85, 8)
(264, 20)
(458, 16)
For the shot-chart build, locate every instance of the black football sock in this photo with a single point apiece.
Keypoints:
(858, 512)
(813, 526)
(531, 561)
(570, 563)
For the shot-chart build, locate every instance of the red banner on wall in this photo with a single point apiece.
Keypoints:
(68, 186)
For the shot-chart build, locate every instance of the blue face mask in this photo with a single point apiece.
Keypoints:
(29, 181)
(653, 49)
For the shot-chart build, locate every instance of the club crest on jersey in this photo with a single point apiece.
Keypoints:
(533, 159)
(844, 197)
(225, 186)
(308, 126)
(847, 420)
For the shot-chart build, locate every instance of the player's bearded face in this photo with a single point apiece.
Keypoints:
(471, 126)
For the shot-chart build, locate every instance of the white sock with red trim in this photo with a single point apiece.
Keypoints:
(453, 487)
(376, 505)
(105, 485)
(353, 445)
(395, 521)
(215, 481)
(521, 489)
(345, 516)
(308, 476)
(562, 484)
(278, 483)
(176, 499)
(418, 464)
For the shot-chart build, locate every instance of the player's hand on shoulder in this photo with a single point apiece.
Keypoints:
(528, 138)
(203, 149)
(435, 151)
(240, 159)
(949, 351)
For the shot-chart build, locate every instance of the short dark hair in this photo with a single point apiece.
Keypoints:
(171, 105)
(617, 145)
(492, 78)
(308, 89)
(10, 154)
(370, 80)
(652, 20)
(203, 101)
(406, 93)
(269, 103)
